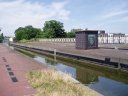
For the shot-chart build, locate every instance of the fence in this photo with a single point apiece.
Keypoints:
(109, 39)
(61, 40)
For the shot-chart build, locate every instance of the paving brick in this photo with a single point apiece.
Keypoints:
(19, 65)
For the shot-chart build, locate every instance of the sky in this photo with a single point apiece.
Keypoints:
(108, 15)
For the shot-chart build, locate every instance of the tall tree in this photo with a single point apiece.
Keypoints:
(53, 29)
(27, 33)
(19, 33)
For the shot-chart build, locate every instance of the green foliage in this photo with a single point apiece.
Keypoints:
(70, 34)
(76, 30)
(26, 41)
(53, 29)
(23, 41)
(27, 33)
(1, 38)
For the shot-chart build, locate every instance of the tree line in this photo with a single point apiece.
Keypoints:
(51, 29)
(1, 37)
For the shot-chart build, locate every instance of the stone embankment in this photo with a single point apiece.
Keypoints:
(106, 57)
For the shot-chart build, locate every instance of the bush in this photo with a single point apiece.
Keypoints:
(23, 41)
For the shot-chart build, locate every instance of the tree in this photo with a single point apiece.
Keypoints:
(71, 34)
(27, 33)
(1, 38)
(53, 29)
(19, 33)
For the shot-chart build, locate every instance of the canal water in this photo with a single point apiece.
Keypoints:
(108, 83)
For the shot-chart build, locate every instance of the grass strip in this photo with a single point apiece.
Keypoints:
(55, 83)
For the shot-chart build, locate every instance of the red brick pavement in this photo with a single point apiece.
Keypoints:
(19, 65)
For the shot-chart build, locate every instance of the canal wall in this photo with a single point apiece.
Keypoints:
(81, 67)
(116, 64)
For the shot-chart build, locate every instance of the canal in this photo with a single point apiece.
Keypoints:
(107, 82)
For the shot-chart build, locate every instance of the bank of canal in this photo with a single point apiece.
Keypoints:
(106, 81)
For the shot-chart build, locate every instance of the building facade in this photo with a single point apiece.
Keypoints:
(112, 38)
(87, 39)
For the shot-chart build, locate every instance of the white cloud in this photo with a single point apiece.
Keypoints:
(115, 14)
(18, 13)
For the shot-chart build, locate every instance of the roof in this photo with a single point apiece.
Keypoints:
(88, 31)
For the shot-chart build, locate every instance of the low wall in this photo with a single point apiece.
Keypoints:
(64, 40)
(101, 40)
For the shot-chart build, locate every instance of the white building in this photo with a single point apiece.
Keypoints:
(116, 38)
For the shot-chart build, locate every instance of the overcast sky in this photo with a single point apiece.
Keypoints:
(108, 15)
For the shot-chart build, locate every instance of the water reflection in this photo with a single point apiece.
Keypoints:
(106, 82)
(57, 66)
(86, 76)
(66, 69)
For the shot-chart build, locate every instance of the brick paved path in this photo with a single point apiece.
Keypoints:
(13, 67)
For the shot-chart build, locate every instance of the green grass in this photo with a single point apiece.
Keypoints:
(54, 83)
(27, 41)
